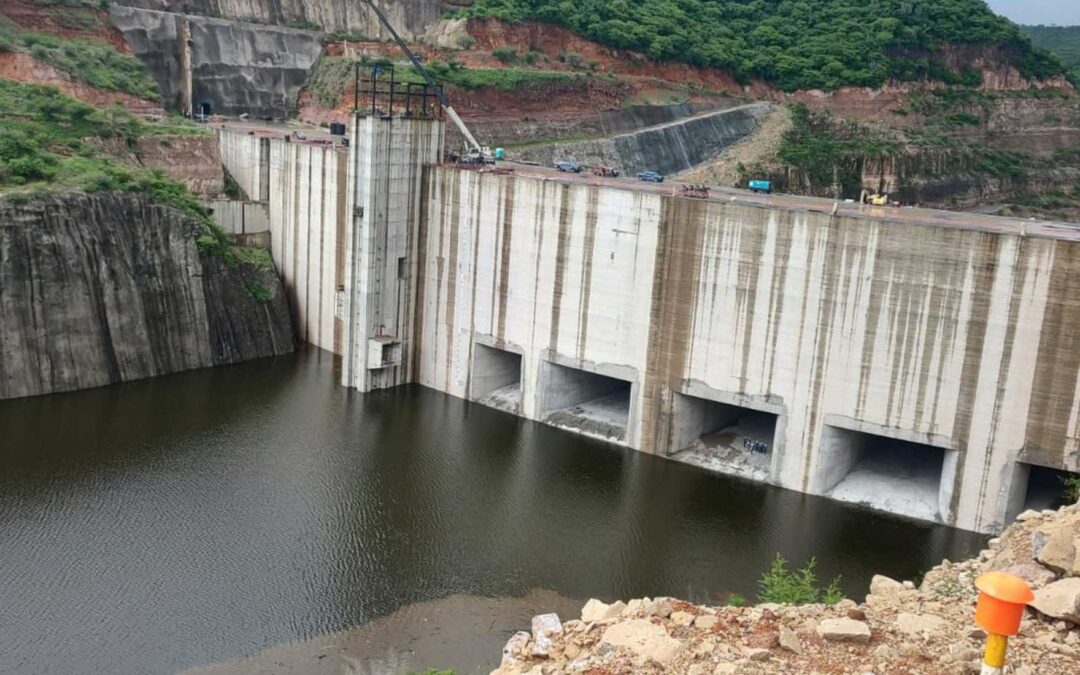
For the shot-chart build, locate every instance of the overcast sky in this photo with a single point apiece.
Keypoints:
(1060, 12)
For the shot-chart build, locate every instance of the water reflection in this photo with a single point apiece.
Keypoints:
(161, 524)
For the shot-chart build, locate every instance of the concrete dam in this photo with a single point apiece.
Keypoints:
(920, 362)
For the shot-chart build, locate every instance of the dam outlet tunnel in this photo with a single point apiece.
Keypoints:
(885, 473)
(586, 402)
(723, 437)
(495, 379)
(1038, 487)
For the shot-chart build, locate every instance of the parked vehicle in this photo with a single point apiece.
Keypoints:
(760, 186)
(650, 177)
(568, 166)
(605, 171)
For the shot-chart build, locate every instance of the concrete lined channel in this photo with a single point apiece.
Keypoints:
(208, 515)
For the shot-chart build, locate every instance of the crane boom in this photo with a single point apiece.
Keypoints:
(427, 78)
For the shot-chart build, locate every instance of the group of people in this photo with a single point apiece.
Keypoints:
(750, 445)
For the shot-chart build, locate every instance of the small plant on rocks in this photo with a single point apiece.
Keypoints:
(796, 586)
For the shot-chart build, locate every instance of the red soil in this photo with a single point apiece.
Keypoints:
(36, 18)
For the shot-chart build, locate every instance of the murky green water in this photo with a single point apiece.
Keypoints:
(162, 524)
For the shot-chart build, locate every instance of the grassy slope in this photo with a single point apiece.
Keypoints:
(96, 63)
(794, 44)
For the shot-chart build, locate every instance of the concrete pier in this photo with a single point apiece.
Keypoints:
(919, 362)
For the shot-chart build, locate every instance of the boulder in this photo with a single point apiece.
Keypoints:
(1036, 575)
(882, 585)
(545, 628)
(706, 621)
(1030, 514)
(595, 611)
(920, 624)
(682, 618)
(789, 640)
(634, 608)
(1060, 600)
(517, 644)
(844, 630)
(661, 607)
(1055, 544)
(644, 638)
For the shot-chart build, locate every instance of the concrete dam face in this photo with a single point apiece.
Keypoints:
(914, 361)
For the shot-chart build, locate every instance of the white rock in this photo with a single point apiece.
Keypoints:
(644, 638)
(789, 640)
(725, 669)
(517, 643)
(706, 621)
(595, 611)
(920, 624)
(884, 587)
(635, 607)
(545, 628)
(1060, 600)
(757, 654)
(661, 607)
(844, 630)
(682, 618)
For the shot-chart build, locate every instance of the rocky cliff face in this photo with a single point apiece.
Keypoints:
(667, 148)
(410, 17)
(235, 67)
(105, 288)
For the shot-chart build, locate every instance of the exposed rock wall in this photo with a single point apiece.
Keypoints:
(235, 67)
(105, 288)
(667, 148)
(411, 17)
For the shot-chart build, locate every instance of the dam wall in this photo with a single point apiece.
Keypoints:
(344, 219)
(918, 362)
(920, 368)
(305, 190)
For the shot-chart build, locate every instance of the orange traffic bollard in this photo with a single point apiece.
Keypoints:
(1002, 599)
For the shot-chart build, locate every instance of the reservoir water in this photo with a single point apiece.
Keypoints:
(158, 525)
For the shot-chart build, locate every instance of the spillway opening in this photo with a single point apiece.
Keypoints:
(495, 380)
(590, 403)
(723, 437)
(1043, 487)
(888, 474)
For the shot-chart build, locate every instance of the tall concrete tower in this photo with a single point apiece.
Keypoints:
(386, 165)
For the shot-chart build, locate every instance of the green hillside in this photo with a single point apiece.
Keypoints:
(794, 44)
(1062, 41)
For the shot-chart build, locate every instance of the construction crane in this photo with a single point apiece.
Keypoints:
(479, 152)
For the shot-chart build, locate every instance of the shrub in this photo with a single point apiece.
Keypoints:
(465, 41)
(507, 55)
(796, 587)
(571, 59)
(258, 292)
(1072, 488)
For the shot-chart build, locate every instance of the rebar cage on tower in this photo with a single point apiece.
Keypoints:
(376, 92)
